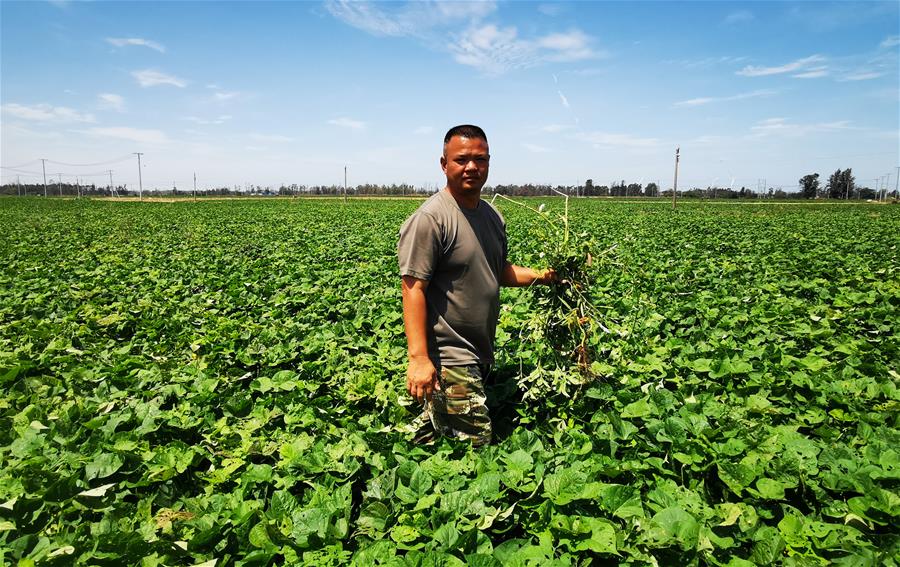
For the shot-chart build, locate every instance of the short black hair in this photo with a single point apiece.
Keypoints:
(465, 131)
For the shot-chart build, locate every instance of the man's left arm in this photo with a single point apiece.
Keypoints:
(519, 276)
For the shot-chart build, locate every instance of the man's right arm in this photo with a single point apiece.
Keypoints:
(421, 375)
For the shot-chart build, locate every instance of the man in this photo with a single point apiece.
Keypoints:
(452, 254)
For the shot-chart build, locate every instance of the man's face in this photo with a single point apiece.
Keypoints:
(465, 162)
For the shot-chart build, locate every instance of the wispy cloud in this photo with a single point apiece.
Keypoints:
(550, 9)
(423, 130)
(46, 113)
(492, 50)
(489, 47)
(563, 99)
(222, 96)
(890, 41)
(601, 139)
(270, 138)
(495, 50)
(209, 121)
(573, 45)
(124, 41)
(711, 99)
(536, 149)
(112, 101)
(738, 17)
(814, 73)
(345, 122)
(554, 128)
(862, 76)
(799, 64)
(783, 127)
(130, 134)
(152, 78)
(706, 62)
(414, 19)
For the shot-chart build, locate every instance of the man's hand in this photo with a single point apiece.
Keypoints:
(548, 277)
(421, 378)
(517, 276)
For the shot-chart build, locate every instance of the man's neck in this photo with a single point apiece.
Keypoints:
(465, 200)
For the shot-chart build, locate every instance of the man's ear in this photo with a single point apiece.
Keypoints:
(443, 164)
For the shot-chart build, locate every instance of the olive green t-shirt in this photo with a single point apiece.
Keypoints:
(461, 253)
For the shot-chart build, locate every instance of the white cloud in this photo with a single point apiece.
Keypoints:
(344, 122)
(112, 101)
(550, 9)
(488, 47)
(622, 140)
(891, 41)
(415, 19)
(534, 148)
(862, 76)
(151, 78)
(495, 50)
(554, 128)
(46, 113)
(270, 138)
(123, 41)
(223, 96)
(571, 46)
(813, 73)
(422, 130)
(739, 16)
(743, 96)
(208, 121)
(492, 50)
(783, 127)
(706, 62)
(799, 64)
(563, 99)
(130, 134)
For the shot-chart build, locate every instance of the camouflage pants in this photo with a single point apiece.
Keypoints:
(458, 409)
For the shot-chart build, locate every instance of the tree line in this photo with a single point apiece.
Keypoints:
(840, 185)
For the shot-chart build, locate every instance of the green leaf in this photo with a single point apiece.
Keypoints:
(673, 526)
(770, 489)
(640, 408)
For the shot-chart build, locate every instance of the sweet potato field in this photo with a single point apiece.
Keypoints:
(221, 383)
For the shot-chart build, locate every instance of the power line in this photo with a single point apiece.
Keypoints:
(18, 166)
(117, 160)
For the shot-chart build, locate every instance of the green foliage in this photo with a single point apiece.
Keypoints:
(222, 383)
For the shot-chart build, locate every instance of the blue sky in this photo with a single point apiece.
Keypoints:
(291, 92)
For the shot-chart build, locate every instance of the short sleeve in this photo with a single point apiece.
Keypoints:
(419, 247)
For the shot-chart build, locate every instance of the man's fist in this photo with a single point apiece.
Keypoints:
(421, 378)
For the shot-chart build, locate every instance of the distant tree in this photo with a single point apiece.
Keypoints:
(809, 186)
(589, 187)
(867, 193)
(841, 184)
(651, 190)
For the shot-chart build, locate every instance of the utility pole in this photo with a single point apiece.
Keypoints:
(345, 183)
(140, 180)
(18, 187)
(111, 190)
(675, 184)
(195, 186)
(44, 168)
(59, 184)
(896, 184)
